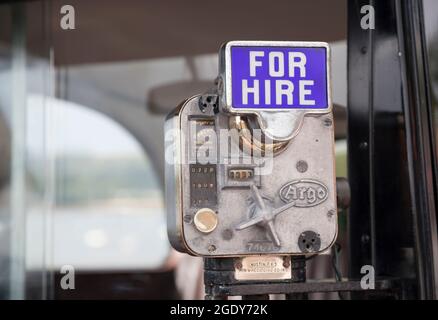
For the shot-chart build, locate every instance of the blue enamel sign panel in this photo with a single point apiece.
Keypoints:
(277, 77)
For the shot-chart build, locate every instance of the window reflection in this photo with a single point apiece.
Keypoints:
(108, 206)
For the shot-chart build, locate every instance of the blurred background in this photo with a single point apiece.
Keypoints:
(81, 133)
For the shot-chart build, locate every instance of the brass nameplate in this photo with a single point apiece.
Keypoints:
(263, 268)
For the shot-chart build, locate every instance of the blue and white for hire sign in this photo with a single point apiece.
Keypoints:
(277, 76)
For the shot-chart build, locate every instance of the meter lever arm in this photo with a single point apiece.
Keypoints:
(265, 216)
(277, 211)
(260, 203)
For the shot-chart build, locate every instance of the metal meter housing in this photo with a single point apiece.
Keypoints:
(242, 202)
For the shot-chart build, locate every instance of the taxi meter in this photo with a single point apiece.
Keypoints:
(250, 164)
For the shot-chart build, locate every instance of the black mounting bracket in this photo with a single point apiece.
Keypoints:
(220, 283)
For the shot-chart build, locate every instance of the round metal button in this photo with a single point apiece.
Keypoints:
(205, 220)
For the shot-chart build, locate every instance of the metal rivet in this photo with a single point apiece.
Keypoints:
(330, 213)
(227, 234)
(328, 122)
(302, 166)
(211, 248)
(205, 220)
(286, 263)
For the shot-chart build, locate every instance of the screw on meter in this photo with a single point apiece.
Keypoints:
(250, 164)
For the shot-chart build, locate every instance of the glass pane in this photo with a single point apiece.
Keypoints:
(24, 205)
(431, 31)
